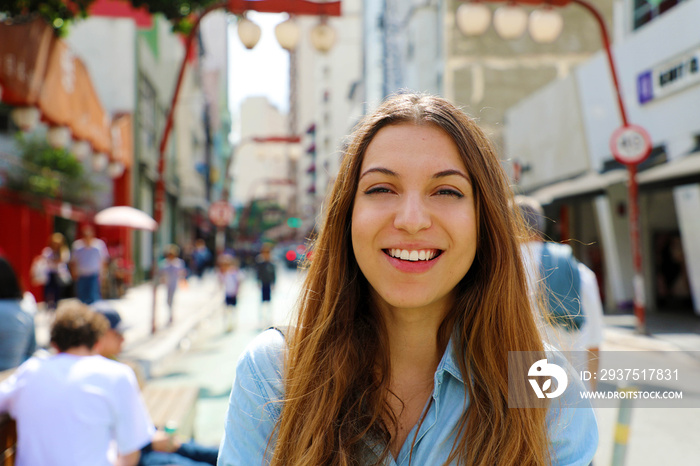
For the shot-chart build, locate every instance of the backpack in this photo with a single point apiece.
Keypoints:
(563, 284)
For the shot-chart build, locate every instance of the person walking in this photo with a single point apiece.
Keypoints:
(267, 276)
(201, 256)
(172, 270)
(414, 299)
(89, 261)
(17, 330)
(76, 408)
(230, 277)
(50, 270)
(572, 309)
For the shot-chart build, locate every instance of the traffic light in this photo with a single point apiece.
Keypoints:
(294, 222)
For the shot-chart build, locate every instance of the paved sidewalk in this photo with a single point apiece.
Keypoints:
(667, 332)
(193, 304)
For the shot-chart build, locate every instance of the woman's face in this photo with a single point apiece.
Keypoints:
(413, 221)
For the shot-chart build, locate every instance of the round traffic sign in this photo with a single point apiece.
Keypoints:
(630, 144)
(220, 213)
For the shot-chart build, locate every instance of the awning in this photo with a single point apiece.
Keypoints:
(676, 172)
(38, 69)
(24, 52)
(589, 184)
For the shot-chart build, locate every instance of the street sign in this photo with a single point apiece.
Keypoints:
(630, 144)
(220, 213)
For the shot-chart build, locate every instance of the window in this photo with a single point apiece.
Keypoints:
(647, 10)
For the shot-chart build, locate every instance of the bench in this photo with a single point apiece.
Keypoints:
(8, 440)
(176, 405)
(8, 433)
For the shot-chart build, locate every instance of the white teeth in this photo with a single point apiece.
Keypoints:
(414, 255)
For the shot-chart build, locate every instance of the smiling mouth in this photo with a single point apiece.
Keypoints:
(415, 255)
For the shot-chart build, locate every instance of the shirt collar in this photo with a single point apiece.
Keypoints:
(449, 364)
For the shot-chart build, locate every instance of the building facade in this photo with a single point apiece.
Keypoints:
(561, 134)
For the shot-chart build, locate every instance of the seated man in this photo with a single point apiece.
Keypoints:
(76, 408)
(163, 449)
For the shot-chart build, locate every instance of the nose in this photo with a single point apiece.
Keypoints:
(412, 214)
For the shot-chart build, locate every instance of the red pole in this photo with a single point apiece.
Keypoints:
(638, 281)
(633, 191)
(159, 197)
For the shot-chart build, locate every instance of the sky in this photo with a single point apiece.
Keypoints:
(261, 71)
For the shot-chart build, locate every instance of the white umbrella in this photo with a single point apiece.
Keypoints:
(125, 216)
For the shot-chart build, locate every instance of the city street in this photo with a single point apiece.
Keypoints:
(210, 359)
(205, 356)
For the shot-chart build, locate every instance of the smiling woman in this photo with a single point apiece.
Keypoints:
(411, 305)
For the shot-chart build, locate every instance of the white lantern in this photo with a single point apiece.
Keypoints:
(323, 36)
(81, 150)
(287, 33)
(248, 33)
(99, 162)
(473, 18)
(25, 118)
(545, 25)
(115, 169)
(58, 137)
(510, 21)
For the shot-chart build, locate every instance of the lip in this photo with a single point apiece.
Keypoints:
(412, 267)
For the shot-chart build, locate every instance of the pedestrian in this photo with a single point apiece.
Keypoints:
(414, 298)
(76, 408)
(265, 270)
(572, 310)
(201, 256)
(230, 277)
(50, 270)
(89, 260)
(172, 270)
(164, 449)
(17, 330)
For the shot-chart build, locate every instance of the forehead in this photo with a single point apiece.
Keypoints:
(412, 146)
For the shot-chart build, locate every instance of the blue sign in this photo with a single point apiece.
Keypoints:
(645, 87)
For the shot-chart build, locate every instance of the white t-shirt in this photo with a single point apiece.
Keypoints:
(89, 258)
(231, 280)
(590, 335)
(70, 410)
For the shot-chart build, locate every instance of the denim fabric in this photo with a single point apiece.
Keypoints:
(17, 334)
(88, 288)
(189, 454)
(254, 408)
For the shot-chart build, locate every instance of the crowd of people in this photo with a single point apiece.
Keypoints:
(427, 272)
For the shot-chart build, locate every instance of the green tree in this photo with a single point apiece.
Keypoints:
(48, 172)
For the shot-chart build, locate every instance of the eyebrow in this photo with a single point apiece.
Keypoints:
(451, 172)
(442, 174)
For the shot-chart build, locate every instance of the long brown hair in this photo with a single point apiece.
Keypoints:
(336, 373)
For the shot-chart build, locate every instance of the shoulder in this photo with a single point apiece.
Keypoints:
(558, 249)
(266, 352)
(260, 367)
(116, 371)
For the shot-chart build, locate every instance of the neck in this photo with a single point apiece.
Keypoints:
(413, 344)
(79, 351)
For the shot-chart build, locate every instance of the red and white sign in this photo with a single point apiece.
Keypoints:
(220, 213)
(630, 144)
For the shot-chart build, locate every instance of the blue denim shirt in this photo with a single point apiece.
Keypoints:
(17, 334)
(254, 409)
